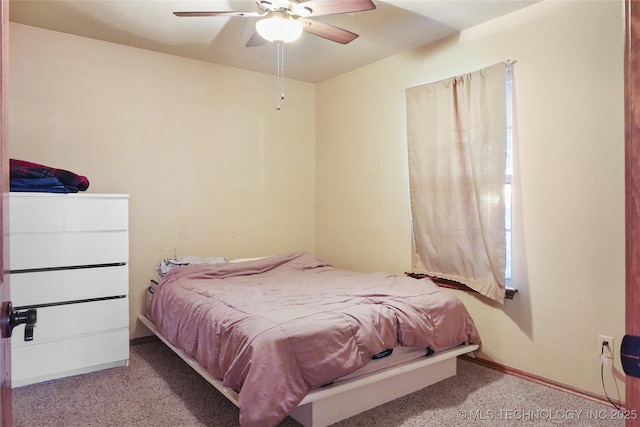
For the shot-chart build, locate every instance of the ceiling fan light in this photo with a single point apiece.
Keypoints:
(279, 28)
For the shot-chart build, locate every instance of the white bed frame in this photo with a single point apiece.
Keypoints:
(343, 399)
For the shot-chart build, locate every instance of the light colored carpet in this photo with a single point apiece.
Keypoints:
(159, 389)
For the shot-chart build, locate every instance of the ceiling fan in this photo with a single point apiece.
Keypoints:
(284, 20)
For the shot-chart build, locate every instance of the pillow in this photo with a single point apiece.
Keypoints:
(168, 264)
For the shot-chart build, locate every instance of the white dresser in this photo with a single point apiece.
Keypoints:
(69, 257)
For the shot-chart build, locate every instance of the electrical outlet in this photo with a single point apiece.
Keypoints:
(605, 350)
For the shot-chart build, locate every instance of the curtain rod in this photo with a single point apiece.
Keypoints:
(507, 63)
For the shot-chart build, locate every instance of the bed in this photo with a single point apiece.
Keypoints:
(292, 335)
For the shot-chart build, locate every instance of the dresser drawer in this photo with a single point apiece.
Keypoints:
(61, 322)
(35, 214)
(54, 213)
(50, 250)
(44, 287)
(55, 359)
(96, 214)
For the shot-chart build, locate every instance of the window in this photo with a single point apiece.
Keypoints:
(508, 183)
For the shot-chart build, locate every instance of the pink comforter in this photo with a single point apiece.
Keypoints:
(272, 329)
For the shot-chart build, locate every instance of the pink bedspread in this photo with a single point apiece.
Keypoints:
(273, 328)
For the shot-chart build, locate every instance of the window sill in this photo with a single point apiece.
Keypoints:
(452, 284)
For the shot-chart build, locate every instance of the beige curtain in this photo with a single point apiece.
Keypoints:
(456, 140)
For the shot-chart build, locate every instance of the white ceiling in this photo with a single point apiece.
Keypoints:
(393, 27)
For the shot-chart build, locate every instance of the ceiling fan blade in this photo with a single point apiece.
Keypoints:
(328, 31)
(267, 5)
(332, 7)
(217, 13)
(256, 40)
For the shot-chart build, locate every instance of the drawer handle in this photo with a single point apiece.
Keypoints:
(12, 318)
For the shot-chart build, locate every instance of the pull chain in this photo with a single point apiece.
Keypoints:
(280, 85)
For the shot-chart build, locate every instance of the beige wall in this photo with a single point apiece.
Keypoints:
(569, 213)
(210, 165)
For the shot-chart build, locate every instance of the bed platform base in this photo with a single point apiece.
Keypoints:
(343, 399)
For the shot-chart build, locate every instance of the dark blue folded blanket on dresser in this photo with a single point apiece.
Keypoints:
(33, 177)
